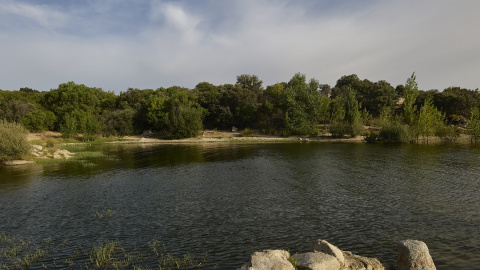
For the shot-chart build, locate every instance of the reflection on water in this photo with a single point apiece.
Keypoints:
(232, 199)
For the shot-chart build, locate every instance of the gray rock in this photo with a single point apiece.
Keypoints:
(355, 262)
(269, 260)
(37, 147)
(316, 261)
(414, 254)
(326, 247)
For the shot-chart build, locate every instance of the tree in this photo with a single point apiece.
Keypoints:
(346, 118)
(175, 110)
(474, 124)
(302, 103)
(429, 119)
(410, 94)
(118, 122)
(38, 120)
(69, 97)
(250, 82)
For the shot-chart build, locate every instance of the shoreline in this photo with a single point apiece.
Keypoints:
(208, 137)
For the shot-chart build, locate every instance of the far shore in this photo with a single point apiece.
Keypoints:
(207, 137)
(214, 136)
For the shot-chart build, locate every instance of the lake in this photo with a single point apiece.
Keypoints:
(233, 199)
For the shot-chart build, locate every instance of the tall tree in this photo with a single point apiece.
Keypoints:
(429, 119)
(410, 95)
(302, 106)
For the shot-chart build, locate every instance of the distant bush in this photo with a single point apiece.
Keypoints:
(340, 129)
(13, 141)
(118, 122)
(448, 133)
(248, 132)
(395, 132)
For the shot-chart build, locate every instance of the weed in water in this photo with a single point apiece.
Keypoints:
(104, 214)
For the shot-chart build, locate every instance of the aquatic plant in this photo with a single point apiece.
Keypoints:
(104, 214)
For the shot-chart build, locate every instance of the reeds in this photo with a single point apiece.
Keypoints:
(104, 214)
(23, 253)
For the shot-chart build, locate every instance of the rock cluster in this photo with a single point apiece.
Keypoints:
(325, 256)
(42, 153)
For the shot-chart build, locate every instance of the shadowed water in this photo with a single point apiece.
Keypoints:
(233, 199)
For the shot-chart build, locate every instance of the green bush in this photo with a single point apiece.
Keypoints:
(13, 141)
(118, 123)
(395, 132)
(184, 122)
(340, 129)
(248, 132)
(448, 133)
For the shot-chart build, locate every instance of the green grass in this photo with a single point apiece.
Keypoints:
(104, 214)
(23, 253)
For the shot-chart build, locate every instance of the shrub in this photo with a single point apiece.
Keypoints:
(13, 141)
(340, 129)
(395, 132)
(184, 122)
(247, 132)
(118, 123)
(448, 133)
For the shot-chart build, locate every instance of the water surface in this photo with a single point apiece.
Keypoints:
(233, 199)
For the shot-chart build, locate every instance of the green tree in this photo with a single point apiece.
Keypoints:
(175, 110)
(250, 82)
(118, 122)
(38, 120)
(429, 119)
(70, 97)
(347, 115)
(474, 124)
(302, 106)
(410, 95)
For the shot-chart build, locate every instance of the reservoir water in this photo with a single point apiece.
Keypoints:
(233, 199)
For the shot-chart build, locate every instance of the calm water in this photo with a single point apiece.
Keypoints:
(233, 199)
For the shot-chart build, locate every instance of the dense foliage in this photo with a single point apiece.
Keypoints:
(13, 141)
(296, 107)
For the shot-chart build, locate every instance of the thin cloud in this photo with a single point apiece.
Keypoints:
(147, 44)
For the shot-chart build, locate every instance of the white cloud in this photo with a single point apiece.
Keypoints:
(45, 17)
(182, 44)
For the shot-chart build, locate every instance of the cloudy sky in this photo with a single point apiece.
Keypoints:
(117, 44)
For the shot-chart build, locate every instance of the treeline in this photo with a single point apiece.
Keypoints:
(296, 107)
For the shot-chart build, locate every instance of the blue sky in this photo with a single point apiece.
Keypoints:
(117, 44)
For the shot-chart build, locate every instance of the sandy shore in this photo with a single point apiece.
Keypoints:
(208, 136)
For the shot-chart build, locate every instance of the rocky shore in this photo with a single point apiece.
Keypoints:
(412, 255)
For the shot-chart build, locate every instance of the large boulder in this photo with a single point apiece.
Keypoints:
(316, 261)
(414, 255)
(269, 260)
(355, 262)
(327, 248)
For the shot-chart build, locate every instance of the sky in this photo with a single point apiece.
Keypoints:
(117, 44)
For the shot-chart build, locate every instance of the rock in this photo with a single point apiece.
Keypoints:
(355, 262)
(316, 261)
(327, 248)
(37, 147)
(17, 162)
(60, 154)
(414, 254)
(269, 260)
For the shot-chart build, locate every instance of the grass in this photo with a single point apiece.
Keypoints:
(104, 214)
(22, 253)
